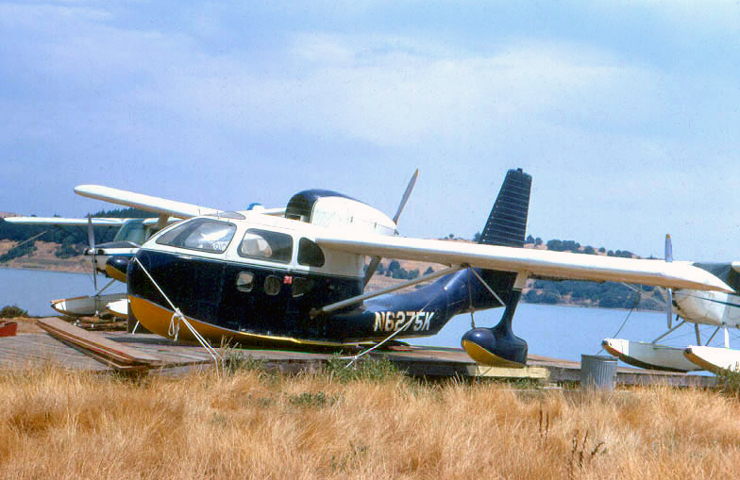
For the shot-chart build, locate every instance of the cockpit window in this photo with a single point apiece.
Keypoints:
(310, 254)
(132, 231)
(267, 245)
(201, 234)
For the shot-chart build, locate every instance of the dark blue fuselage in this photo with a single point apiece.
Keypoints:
(278, 302)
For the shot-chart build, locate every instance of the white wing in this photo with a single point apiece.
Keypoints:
(529, 261)
(158, 205)
(147, 203)
(71, 222)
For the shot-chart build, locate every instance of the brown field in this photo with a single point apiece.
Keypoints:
(249, 424)
(44, 259)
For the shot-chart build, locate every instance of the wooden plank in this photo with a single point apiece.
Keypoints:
(39, 348)
(531, 373)
(417, 361)
(95, 341)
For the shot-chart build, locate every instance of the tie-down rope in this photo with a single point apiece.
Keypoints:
(407, 324)
(174, 328)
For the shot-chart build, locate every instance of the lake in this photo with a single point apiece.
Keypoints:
(553, 331)
(33, 290)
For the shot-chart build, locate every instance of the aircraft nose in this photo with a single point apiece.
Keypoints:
(679, 296)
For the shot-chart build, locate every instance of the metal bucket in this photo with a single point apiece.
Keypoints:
(598, 372)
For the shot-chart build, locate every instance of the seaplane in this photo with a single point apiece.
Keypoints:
(690, 306)
(111, 258)
(130, 234)
(296, 277)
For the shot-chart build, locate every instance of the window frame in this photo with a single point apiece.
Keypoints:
(190, 227)
(273, 259)
(309, 244)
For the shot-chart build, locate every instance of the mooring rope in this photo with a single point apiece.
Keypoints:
(174, 328)
(393, 334)
(470, 303)
(635, 301)
(406, 325)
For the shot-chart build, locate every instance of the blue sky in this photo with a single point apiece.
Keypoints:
(626, 113)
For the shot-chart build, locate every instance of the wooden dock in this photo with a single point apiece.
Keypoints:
(34, 349)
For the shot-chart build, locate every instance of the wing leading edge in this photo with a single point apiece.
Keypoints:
(158, 205)
(529, 261)
(71, 222)
(147, 203)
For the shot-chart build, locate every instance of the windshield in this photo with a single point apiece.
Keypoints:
(132, 231)
(200, 234)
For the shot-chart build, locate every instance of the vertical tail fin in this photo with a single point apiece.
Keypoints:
(506, 226)
(507, 223)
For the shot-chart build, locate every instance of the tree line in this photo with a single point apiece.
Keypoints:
(72, 240)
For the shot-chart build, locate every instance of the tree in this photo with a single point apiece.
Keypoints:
(400, 274)
(555, 245)
(530, 239)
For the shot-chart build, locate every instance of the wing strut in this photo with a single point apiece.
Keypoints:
(361, 298)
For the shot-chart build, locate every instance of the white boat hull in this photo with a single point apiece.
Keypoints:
(649, 355)
(119, 308)
(714, 359)
(85, 305)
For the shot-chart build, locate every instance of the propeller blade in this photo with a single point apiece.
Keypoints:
(406, 195)
(91, 243)
(669, 291)
(405, 198)
(668, 249)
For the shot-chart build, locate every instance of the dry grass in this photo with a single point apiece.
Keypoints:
(58, 424)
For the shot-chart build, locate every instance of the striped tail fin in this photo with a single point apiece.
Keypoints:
(507, 223)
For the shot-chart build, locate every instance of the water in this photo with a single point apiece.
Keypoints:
(552, 331)
(34, 290)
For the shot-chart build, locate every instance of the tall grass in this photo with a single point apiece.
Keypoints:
(248, 424)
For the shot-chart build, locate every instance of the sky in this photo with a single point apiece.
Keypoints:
(626, 114)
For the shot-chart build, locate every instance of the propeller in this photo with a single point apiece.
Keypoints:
(376, 260)
(91, 242)
(669, 290)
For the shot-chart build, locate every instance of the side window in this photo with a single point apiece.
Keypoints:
(201, 234)
(310, 254)
(272, 285)
(245, 282)
(267, 245)
(301, 286)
